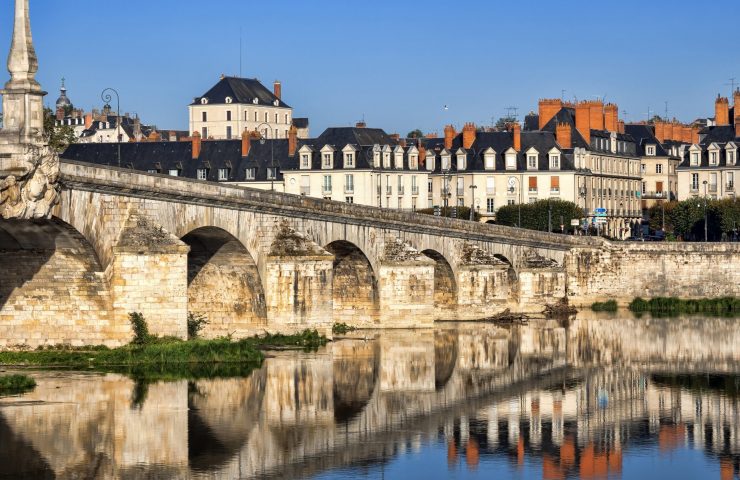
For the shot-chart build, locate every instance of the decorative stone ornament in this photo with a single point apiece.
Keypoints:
(29, 168)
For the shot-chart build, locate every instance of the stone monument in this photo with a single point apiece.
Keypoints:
(29, 168)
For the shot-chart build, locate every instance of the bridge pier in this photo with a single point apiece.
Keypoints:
(406, 291)
(538, 287)
(148, 274)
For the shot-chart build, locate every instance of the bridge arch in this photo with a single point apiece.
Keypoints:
(445, 284)
(224, 284)
(354, 285)
(54, 289)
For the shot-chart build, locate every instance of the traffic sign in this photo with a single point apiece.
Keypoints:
(437, 211)
(574, 222)
(600, 220)
(600, 212)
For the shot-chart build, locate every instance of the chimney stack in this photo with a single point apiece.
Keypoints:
(660, 131)
(516, 132)
(292, 140)
(277, 89)
(611, 117)
(597, 114)
(721, 111)
(620, 126)
(449, 136)
(361, 125)
(468, 135)
(88, 120)
(563, 135)
(396, 137)
(246, 142)
(695, 134)
(583, 121)
(196, 145)
(686, 134)
(548, 108)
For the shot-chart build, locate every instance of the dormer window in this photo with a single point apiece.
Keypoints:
(554, 160)
(398, 157)
(731, 157)
(204, 101)
(650, 150)
(276, 102)
(431, 161)
(461, 161)
(713, 158)
(326, 160)
(413, 158)
(376, 159)
(510, 158)
(446, 162)
(531, 162)
(229, 100)
(489, 160)
(305, 161)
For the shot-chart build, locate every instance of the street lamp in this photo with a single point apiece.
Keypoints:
(582, 194)
(706, 234)
(445, 189)
(105, 95)
(515, 181)
(272, 151)
(549, 216)
(472, 201)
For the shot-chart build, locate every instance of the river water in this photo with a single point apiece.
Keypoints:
(597, 397)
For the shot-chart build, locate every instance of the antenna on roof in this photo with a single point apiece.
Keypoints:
(562, 94)
(733, 82)
(509, 111)
(666, 111)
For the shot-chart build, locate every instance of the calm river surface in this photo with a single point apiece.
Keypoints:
(603, 397)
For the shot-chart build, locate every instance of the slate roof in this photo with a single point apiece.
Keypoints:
(300, 122)
(644, 135)
(241, 90)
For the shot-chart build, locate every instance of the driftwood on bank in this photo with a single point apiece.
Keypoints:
(561, 309)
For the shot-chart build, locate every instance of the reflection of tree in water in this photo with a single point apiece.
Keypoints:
(221, 414)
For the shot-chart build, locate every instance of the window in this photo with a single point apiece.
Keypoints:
(276, 118)
(349, 199)
(554, 162)
(413, 162)
(255, 116)
(659, 168)
(511, 161)
(730, 181)
(202, 174)
(490, 208)
(694, 159)
(651, 150)
(228, 133)
(267, 117)
(228, 100)
(713, 182)
(400, 185)
(713, 158)
(460, 202)
(555, 184)
(271, 173)
(414, 186)
(174, 172)
(461, 162)
(460, 186)
(305, 161)
(246, 115)
(694, 181)
(204, 116)
(204, 133)
(250, 173)
(533, 184)
(305, 185)
(228, 115)
(286, 118)
(445, 162)
(644, 187)
(731, 157)
(659, 187)
(490, 186)
(349, 160)
(223, 174)
(349, 183)
(532, 162)
(327, 184)
(489, 161)
(430, 186)
(327, 160)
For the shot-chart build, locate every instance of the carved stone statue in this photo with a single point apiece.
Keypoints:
(29, 168)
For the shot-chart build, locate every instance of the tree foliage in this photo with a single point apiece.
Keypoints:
(415, 134)
(535, 215)
(59, 137)
(685, 219)
(502, 122)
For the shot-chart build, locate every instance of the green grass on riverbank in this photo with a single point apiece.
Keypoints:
(608, 306)
(671, 306)
(15, 384)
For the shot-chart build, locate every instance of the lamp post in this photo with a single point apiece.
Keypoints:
(472, 201)
(445, 189)
(512, 182)
(105, 95)
(706, 231)
(272, 151)
(582, 194)
(549, 216)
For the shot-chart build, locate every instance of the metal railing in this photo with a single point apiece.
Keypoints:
(414, 190)
(305, 190)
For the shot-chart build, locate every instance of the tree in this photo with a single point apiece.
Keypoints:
(535, 215)
(415, 134)
(59, 137)
(656, 118)
(502, 122)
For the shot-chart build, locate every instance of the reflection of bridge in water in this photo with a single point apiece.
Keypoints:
(573, 398)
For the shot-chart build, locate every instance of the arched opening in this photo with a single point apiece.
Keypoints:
(356, 367)
(224, 284)
(354, 287)
(53, 287)
(512, 272)
(491, 222)
(445, 286)
(445, 358)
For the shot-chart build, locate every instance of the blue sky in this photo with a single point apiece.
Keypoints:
(397, 63)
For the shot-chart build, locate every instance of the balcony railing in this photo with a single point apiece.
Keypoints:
(730, 186)
(460, 192)
(388, 190)
(401, 190)
(712, 187)
(349, 189)
(326, 189)
(555, 190)
(414, 190)
(306, 191)
(654, 195)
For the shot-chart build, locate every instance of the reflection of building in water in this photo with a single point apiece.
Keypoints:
(537, 393)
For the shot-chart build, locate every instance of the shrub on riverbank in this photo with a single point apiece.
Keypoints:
(342, 328)
(608, 306)
(668, 306)
(15, 384)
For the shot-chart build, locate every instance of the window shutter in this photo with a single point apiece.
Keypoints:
(554, 182)
(533, 183)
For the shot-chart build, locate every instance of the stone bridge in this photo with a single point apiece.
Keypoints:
(120, 241)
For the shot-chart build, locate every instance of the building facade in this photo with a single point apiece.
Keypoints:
(658, 166)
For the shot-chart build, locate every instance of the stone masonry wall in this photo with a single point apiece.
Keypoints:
(482, 290)
(355, 293)
(407, 294)
(625, 271)
(540, 287)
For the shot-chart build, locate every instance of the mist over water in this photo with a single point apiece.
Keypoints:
(595, 397)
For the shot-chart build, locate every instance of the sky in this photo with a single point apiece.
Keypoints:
(396, 64)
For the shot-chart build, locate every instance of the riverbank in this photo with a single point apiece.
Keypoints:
(166, 357)
(671, 306)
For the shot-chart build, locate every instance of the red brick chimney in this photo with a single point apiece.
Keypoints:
(516, 133)
(88, 120)
(292, 140)
(686, 134)
(548, 108)
(450, 134)
(396, 137)
(722, 111)
(695, 134)
(611, 117)
(563, 135)
(660, 131)
(596, 108)
(583, 120)
(422, 155)
(277, 89)
(196, 145)
(246, 142)
(620, 126)
(360, 125)
(668, 131)
(468, 135)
